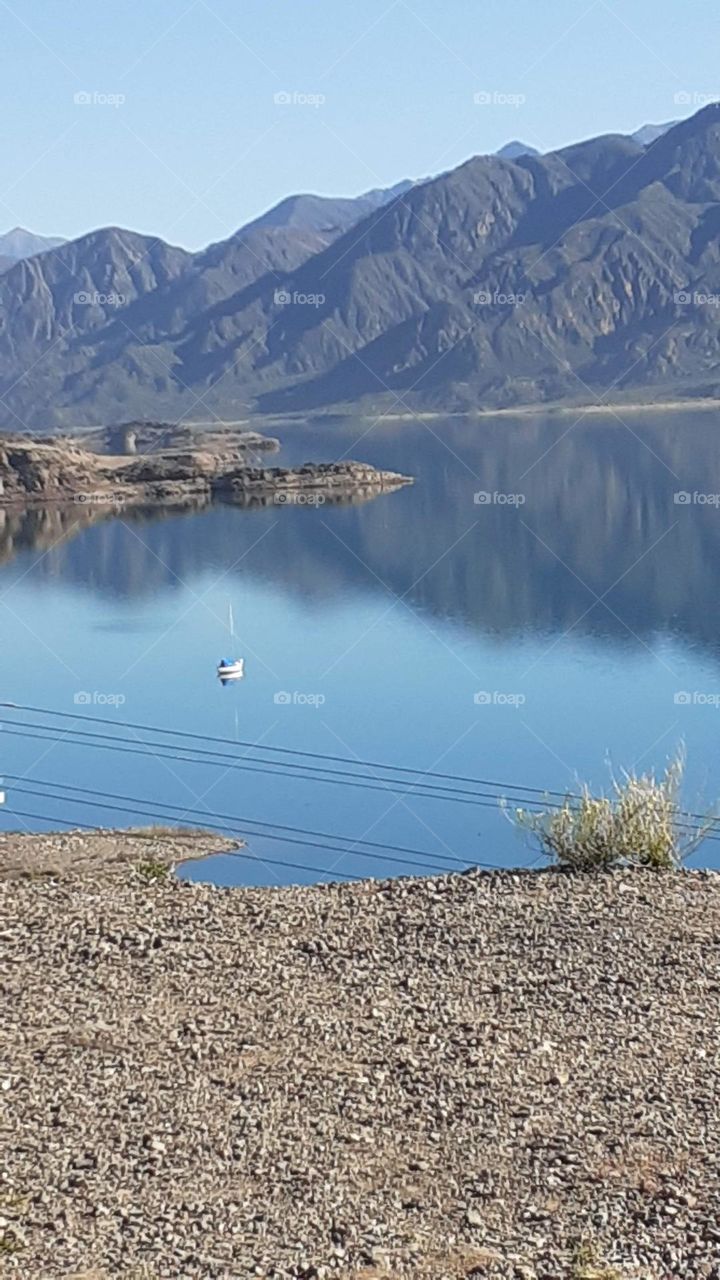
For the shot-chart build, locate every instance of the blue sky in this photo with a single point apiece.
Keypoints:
(182, 136)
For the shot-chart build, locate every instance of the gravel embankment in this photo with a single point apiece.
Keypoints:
(455, 1077)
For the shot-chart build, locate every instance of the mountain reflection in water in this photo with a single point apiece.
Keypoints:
(582, 582)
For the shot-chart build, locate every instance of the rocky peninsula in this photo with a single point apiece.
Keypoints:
(503, 1075)
(162, 465)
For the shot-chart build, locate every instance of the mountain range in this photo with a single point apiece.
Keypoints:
(510, 280)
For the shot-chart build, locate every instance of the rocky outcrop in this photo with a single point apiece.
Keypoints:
(61, 471)
(153, 437)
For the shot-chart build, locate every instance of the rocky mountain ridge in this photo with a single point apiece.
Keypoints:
(574, 276)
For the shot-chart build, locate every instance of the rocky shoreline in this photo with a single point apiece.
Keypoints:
(506, 1075)
(181, 470)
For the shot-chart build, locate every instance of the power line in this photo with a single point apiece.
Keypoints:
(500, 789)
(308, 844)
(249, 764)
(254, 764)
(293, 751)
(274, 862)
(239, 820)
(225, 756)
(486, 800)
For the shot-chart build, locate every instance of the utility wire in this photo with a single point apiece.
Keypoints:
(501, 788)
(308, 844)
(293, 751)
(484, 799)
(428, 790)
(224, 755)
(235, 819)
(273, 862)
(245, 764)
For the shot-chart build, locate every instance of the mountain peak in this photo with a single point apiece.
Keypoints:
(309, 212)
(649, 133)
(21, 243)
(513, 150)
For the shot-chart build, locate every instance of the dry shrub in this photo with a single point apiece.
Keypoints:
(587, 1264)
(639, 824)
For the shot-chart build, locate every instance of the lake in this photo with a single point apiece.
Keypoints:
(541, 607)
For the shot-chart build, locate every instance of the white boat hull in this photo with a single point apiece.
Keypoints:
(234, 671)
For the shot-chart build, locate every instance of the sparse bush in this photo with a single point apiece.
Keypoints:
(10, 1241)
(152, 871)
(586, 1265)
(639, 824)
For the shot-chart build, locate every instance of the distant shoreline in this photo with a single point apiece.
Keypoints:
(535, 411)
(255, 421)
(550, 410)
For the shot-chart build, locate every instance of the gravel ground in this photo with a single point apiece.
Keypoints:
(504, 1075)
(104, 855)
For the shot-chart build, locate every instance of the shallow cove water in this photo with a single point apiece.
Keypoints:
(544, 599)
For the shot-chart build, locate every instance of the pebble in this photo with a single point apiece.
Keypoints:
(417, 1078)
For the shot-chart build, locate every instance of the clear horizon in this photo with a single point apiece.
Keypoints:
(115, 119)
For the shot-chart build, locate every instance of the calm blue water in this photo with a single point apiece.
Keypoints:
(527, 640)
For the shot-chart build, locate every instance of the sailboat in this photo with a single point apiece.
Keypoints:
(231, 668)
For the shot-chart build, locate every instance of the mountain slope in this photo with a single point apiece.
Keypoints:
(504, 282)
(602, 282)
